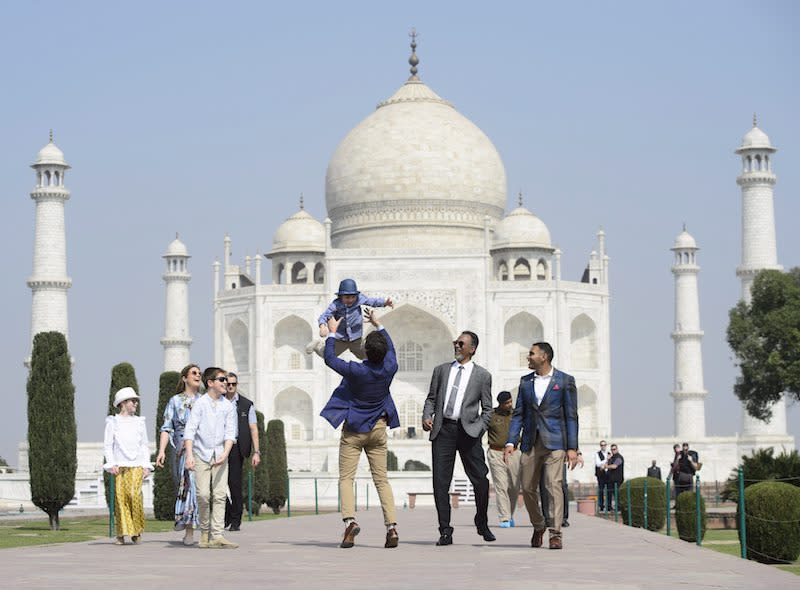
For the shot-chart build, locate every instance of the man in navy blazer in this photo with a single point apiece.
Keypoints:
(547, 414)
(363, 403)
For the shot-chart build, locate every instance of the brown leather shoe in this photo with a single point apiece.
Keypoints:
(392, 539)
(350, 535)
(537, 538)
(555, 542)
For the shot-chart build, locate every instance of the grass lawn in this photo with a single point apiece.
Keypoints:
(23, 533)
(727, 541)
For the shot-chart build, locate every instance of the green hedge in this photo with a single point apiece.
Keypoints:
(391, 461)
(260, 485)
(773, 522)
(686, 516)
(164, 491)
(277, 471)
(656, 502)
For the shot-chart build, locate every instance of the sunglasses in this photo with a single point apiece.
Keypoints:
(232, 384)
(135, 401)
(460, 343)
(221, 379)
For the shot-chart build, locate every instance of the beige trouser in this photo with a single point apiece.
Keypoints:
(506, 480)
(354, 346)
(538, 463)
(374, 444)
(212, 489)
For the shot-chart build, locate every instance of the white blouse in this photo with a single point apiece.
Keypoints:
(125, 442)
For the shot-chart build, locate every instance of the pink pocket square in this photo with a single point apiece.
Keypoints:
(556, 387)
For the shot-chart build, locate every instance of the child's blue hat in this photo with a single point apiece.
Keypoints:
(347, 287)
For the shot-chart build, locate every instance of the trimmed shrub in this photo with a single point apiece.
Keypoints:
(391, 461)
(763, 465)
(164, 491)
(122, 375)
(686, 516)
(277, 472)
(414, 465)
(656, 503)
(52, 433)
(773, 522)
(260, 481)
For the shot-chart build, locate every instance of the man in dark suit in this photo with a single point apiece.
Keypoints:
(547, 414)
(457, 412)
(363, 403)
(246, 441)
(654, 470)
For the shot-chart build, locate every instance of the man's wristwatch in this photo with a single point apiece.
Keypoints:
(257, 452)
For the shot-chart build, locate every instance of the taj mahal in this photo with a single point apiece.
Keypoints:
(415, 197)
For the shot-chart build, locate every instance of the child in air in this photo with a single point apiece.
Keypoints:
(347, 306)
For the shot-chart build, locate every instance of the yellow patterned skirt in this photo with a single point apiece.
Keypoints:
(129, 509)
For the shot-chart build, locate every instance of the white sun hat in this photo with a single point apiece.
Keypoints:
(124, 394)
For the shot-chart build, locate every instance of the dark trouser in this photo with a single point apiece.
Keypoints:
(683, 483)
(603, 495)
(234, 506)
(452, 438)
(613, 499)
(546, 503)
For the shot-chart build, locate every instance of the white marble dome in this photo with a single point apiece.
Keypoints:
(176, 248)
(300, 233)
(755, 139)
(684, 240)
(415, 173)
(521, 229)
(50, 154)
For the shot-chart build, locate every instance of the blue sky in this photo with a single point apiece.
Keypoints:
(206, 118)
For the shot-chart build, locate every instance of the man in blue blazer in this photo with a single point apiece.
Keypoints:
(363, 403)
(547, 414)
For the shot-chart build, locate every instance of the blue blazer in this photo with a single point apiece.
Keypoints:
(555, 420)
(363, 395)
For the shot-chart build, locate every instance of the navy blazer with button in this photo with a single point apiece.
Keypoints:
(362, 397)
(555, 420)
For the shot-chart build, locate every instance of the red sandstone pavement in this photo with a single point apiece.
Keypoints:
(303, 552)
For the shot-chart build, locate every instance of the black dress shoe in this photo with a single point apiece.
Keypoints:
(234, 528)
(564, 523)
(487, 534)
(445, 539)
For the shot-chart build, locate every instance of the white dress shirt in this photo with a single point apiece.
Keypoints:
(462, 386)
(211, 423)
(540, 385)
(125, 442)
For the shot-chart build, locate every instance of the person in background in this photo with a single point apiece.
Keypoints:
(654, 470)
(505, 476)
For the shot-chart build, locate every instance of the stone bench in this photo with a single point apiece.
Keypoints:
(412, 498)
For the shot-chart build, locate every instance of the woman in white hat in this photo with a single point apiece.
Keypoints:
(128, 458)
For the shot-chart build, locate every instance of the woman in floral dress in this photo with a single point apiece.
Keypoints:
(176, 415)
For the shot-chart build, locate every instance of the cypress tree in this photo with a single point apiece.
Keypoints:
(52, 433)
(163, 486)
(122, 375)
(277, 472)
(260, 479)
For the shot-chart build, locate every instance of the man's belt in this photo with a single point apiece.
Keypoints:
(498, 447)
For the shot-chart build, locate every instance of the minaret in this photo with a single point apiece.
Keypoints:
(689, 393)
(49, 282)
(176, 340)
(759, 250)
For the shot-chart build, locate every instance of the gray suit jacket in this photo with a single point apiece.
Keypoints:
(476, 408)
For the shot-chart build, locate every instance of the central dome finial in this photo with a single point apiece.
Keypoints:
(413, 60)
(755, 120)
(520, 198)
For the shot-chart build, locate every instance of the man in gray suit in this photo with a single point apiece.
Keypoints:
(457, 413)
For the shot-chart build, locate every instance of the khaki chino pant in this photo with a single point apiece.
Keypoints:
(212, 490)
(538, 463)
(506, 480)
(374, 444)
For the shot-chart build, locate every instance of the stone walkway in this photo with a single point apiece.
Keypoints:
(303, 552)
